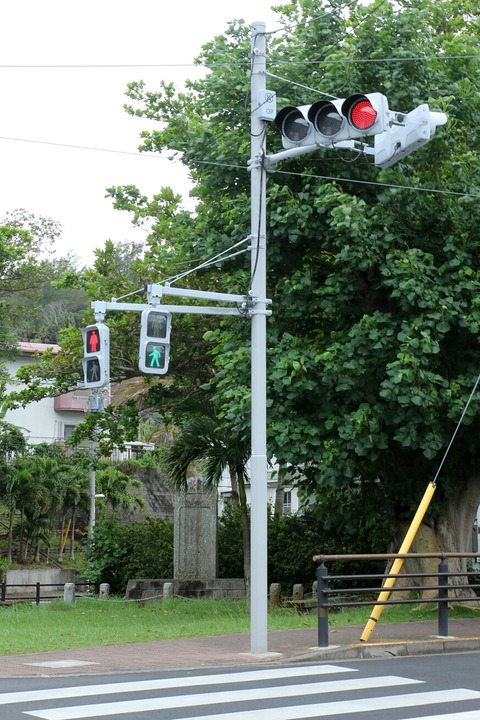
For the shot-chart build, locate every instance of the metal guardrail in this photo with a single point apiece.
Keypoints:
(325, 591)
(35, 594)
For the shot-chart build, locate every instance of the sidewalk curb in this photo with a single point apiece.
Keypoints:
(375, 651)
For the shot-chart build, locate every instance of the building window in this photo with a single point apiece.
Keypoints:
(67, 430)
(287, 502)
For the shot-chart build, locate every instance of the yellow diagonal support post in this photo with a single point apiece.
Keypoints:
(398, 563)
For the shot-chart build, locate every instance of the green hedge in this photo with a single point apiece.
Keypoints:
(145, 549)
(120, 552)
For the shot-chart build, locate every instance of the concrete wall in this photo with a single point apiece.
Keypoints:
(30, 576)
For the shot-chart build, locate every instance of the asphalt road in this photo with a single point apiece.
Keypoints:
(439, 687)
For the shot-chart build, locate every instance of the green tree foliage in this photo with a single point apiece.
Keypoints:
(294, 538)
(29, 305)
(37, 485)
(121, 552)
(374, 274)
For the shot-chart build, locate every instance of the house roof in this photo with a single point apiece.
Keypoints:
(31, 348)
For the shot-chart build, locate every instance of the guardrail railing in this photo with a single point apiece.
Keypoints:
(325, 591)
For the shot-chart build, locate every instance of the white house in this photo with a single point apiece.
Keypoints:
(290, 502)
(53, 418)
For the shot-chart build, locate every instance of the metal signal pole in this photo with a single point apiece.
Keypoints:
(258, 468)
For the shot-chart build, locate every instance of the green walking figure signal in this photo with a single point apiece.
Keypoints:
(154, 348)
(155, 355)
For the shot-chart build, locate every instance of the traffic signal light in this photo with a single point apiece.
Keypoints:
(154, 341)
(327, 122)
(96, 355)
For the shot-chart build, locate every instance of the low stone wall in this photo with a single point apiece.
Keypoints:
(57, 577)
(149, 589)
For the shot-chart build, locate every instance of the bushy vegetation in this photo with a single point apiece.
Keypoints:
(145, 549)
(120, 552)
(293, 540)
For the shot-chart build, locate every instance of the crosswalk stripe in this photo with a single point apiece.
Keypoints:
(467, 715)
(220, 698)
(169, 683)
(297, 712)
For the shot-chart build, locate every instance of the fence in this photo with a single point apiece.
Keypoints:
(325, 591)
(33, 592)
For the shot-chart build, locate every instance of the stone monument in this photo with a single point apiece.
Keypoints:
(195, 533)
(194, 551)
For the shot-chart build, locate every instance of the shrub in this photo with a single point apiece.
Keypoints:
(120, 552)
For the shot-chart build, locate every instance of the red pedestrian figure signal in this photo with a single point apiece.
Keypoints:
(96, 351)
(93, 340)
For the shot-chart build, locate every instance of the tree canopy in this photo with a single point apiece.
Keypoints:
(374, 274)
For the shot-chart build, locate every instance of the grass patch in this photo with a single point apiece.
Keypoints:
(28, 628)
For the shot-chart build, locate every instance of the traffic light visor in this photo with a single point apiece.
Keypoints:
(360, 112)
(325, 118)
(292, 123)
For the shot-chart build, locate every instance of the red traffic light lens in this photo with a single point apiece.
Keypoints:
(363, 115)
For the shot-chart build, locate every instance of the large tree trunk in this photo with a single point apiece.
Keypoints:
(450, 532)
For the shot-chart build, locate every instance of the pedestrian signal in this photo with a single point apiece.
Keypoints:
(154, 348)
(96, 355)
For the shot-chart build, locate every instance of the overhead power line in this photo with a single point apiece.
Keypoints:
(85, 147)
(233, 166)
(282, 61)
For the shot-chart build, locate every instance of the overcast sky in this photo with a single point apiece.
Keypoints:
(84, 106)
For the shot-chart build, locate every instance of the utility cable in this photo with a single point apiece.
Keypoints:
(456, 429)
(379, 184)
(210, 261)
(233, 166)
(257, 246)
(304, 87)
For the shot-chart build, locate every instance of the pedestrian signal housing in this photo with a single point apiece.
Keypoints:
(96, 355)
(154, 351)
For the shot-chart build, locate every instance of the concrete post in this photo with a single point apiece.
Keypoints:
(104, 591)
(168, 590)
(275, 595)
(69, 592)
(298, 592)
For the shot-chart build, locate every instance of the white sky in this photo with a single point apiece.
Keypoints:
(84, 106)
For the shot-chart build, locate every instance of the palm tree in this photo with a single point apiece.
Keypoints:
(12, 445)
(200, 439)
(75, 495)
(40, 512)
(117, 488)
